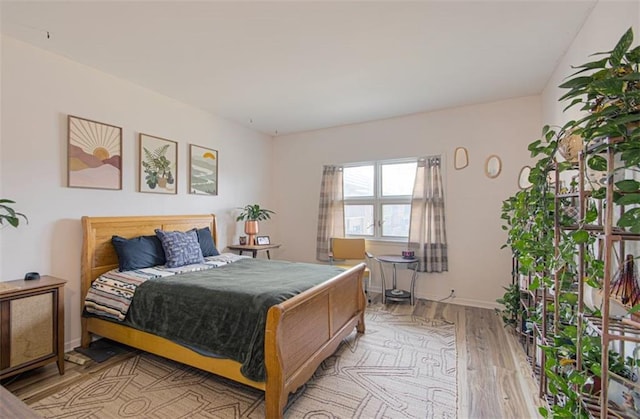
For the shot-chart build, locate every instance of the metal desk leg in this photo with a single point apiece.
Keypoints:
(413, 284)
(268, 254)
(384, 286)
(395, 276)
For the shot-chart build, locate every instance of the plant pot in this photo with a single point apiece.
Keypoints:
(570, 146)
(593, 299)
(251, 229)
(162, 182)
(594, 386)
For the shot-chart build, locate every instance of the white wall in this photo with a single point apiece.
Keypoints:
(477, 267)
(602, 30)
(39, 90)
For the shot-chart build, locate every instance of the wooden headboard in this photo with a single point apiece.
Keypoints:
(98, 254)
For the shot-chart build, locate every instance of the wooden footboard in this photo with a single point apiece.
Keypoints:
(306, 329)
(300, 332)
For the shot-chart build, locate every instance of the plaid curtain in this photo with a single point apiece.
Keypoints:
(427, 232)
(331, 210)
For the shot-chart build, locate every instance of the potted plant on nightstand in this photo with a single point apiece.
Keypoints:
(9, 215)
(251, 214)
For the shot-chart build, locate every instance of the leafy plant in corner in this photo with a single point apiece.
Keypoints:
(9, 215)
(607, 91)
(512, 307)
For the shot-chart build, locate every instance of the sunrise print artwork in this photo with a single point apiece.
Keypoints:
(203, 176)
(94, 154)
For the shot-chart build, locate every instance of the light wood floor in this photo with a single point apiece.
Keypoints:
(494, 378)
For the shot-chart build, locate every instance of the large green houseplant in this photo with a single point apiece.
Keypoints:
(607, 92)
(8, 215)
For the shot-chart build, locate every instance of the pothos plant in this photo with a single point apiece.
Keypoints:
(607, 91)
(512, 307)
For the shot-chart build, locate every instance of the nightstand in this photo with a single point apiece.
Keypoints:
(31, 324)
(254, 249)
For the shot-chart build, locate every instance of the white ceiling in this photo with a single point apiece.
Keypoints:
(298, 66)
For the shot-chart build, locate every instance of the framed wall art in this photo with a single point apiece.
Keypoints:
(94, 151)
(158, 165)
(263, 240)
(203, 170)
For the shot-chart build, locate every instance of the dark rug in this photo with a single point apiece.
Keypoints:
(102, 349)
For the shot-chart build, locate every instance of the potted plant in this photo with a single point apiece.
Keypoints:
(251, 215)
(9, 215)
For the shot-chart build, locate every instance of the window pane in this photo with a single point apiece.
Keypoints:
(358, 181)
(358, 220)
(395, 220)
(398, 178)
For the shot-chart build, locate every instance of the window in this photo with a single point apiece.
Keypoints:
(377, 199)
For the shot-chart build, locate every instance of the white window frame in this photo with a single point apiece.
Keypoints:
(378, 200)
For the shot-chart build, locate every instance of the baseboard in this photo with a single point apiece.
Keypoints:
(455, 300)
(69, 346)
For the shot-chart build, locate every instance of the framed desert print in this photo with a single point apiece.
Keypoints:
(158, 165)
(203, 170)
(94, 152)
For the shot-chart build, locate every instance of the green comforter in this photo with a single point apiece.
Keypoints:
(223, 310)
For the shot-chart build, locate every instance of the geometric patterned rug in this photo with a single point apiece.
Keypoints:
(402, 367)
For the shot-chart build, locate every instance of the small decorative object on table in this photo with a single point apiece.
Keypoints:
(408, 254)
(263, 240)
(243, 240)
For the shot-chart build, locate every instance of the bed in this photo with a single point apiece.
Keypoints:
(299, 334)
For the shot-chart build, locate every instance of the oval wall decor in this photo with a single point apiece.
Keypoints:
(523, 177)
(493, 166)
(460, 158)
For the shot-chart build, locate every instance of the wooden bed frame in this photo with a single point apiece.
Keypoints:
(300, 332)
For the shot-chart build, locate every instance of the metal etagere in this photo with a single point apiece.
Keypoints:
(610, 245)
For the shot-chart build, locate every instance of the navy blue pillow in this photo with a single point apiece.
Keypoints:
(207, 245)
(138, 252)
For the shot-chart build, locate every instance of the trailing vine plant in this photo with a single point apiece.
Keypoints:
(607, 92)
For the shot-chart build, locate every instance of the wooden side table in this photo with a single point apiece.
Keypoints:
(254, 249)
(31, 324)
